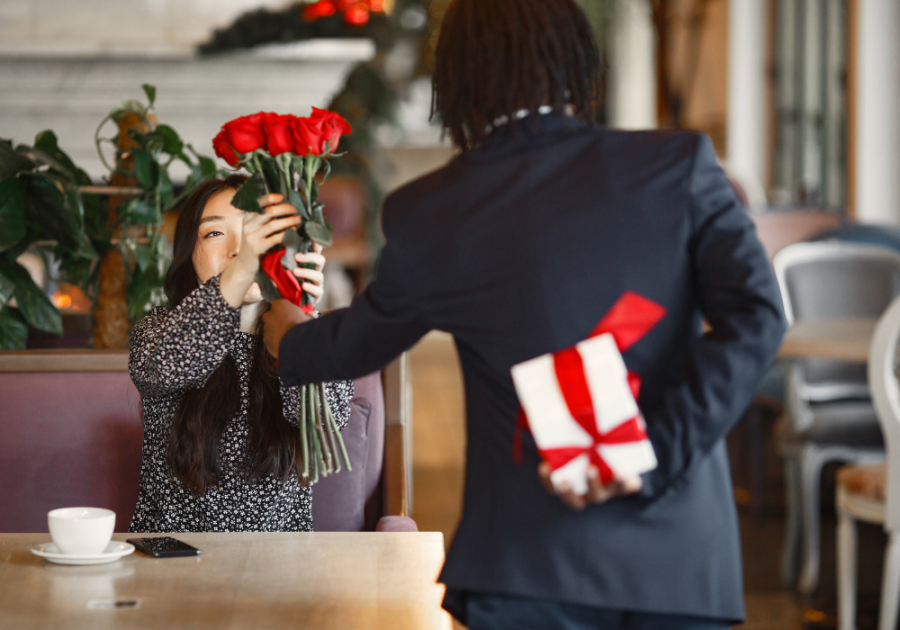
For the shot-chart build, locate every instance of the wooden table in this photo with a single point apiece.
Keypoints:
(837, 339)
(346, 581)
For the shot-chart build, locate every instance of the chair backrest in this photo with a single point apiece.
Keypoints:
(834, 280)
(68, 439)
(781, 228)
(886, 398)
(379, 443)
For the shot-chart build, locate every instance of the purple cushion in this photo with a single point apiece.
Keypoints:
(68, 440)
(351, 501)
(396, 524)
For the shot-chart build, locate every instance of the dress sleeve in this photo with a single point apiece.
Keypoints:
(339, 395)
(179, 349)
(739, 297)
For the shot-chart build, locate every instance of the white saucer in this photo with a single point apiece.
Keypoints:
(114, 551)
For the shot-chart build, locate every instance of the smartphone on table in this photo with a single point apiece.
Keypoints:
(164, 547)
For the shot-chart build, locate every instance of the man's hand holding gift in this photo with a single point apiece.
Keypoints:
(581, 406)
(597, 491)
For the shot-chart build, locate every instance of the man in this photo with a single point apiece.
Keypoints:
(518, 247)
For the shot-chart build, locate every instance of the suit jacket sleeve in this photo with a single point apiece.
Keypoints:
(384, 321)
(739, 297)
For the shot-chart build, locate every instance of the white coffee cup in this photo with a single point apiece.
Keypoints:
(81, 530)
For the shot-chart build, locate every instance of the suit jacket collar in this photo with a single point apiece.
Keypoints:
(535, 129)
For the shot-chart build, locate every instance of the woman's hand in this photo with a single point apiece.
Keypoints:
(597, 492)
(311, 280)
(260, 233)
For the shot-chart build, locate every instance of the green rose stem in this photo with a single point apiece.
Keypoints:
(329, 432)
(320, 457)
(285, 161)
(320, 432)
(304, 441)
(260, 171)
(335, 431)
(315, 452)
(311, 166)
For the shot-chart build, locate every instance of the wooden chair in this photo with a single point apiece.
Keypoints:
(71, 432)
(871, 493)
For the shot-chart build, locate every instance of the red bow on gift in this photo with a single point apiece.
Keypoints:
(629, 319)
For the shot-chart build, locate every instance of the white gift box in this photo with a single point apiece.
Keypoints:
(542, 393)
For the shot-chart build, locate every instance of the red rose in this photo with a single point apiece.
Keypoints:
(357, 15)
(285, 281)
(223, 149)
(245, 134)
(320, 9)
(343, 5)
(320, 133)
(279, 133)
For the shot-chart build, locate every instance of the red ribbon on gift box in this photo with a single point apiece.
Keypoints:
(629, 319)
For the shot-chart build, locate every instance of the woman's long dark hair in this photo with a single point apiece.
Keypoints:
(496, 57)
(203, 414)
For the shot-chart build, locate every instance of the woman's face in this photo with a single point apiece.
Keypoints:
(219, 241)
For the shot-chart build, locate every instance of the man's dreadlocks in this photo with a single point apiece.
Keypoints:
(497, 57)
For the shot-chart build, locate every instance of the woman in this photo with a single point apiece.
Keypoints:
(221, 437)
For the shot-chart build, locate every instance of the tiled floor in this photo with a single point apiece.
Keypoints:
(439, 451)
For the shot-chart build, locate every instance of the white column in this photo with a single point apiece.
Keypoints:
(878, 112)
(746, 128)
(632, 76)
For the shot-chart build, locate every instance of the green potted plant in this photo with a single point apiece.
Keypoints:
(49, 206)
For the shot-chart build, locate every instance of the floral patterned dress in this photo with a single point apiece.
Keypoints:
(176, 350)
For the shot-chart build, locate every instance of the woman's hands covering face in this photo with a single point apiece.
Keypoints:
(260, 232)
(311, 280)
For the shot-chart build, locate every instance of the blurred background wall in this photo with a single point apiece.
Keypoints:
(800, 97)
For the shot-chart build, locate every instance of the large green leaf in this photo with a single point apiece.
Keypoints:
(266, 287)
(46, 208)
(207, 165)
(137, 211)
(12, 162)
(150, 91)
(13, 331)
(12, 212)
(319, 233)
(78, 271)
(76, 205)
(47, 142)
(146, 169)
(246, 198)
(293, 244)
(296, 200)
(7, 286)
(34, 305)
(85, 250)
(143, 255)
(141, 289)
(272, 173)
(166, 189)
(172, 144)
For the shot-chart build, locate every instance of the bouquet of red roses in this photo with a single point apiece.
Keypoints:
(288, 155)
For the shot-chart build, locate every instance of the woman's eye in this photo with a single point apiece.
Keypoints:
(211, 234)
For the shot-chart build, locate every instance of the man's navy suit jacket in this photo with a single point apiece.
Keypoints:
(519, 249)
